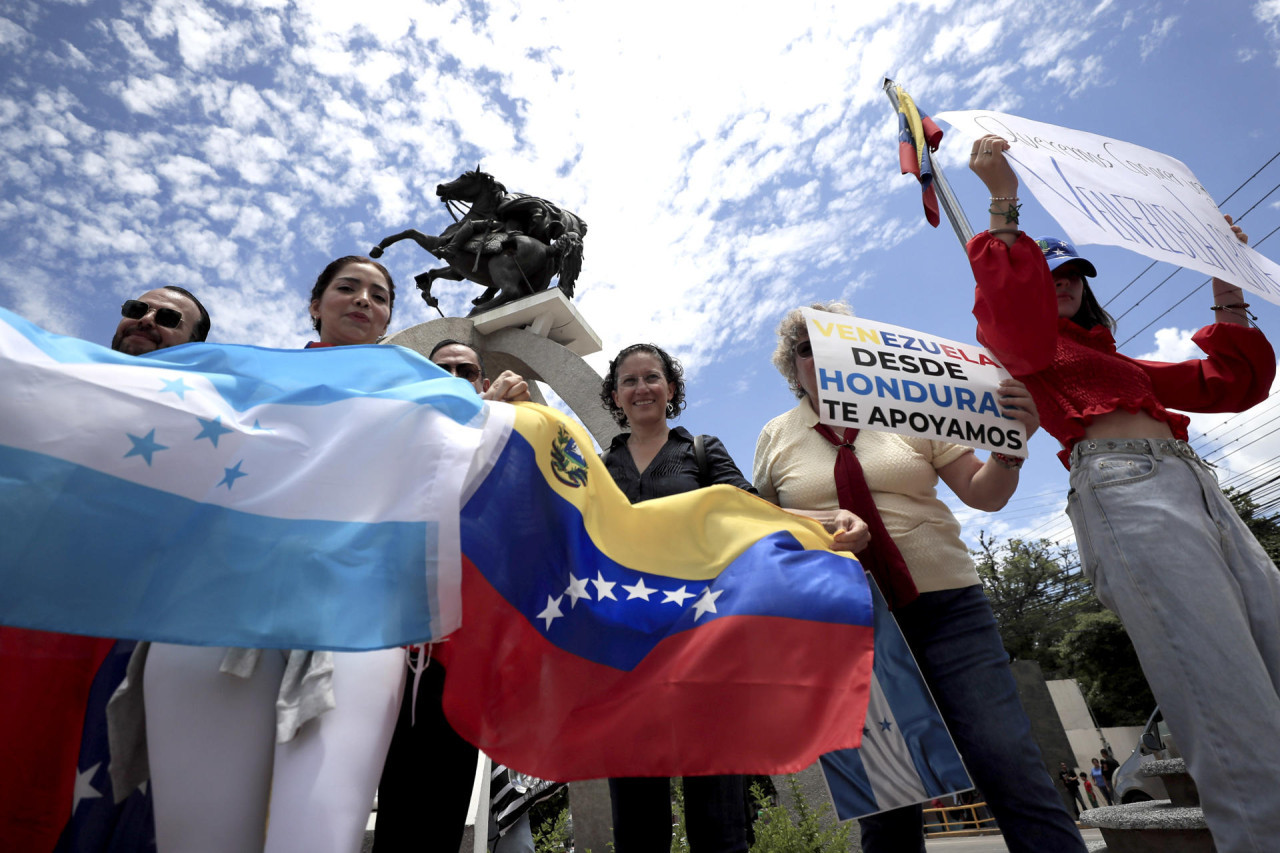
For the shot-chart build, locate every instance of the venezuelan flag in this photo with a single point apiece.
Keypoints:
(917, 136)
(708, 632)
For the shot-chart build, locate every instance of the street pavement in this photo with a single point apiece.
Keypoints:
(986, 843)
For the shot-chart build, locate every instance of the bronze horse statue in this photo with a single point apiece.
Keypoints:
(511, 243)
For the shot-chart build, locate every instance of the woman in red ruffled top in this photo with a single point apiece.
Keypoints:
(1164, 549)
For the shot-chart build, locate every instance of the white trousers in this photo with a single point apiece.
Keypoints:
(220, 782)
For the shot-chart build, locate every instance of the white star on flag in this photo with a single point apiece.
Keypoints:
(707, 603)
(676, 597)
(84, 789)
(552, 611)
(577, 589)
(604, 588)
(639, 590)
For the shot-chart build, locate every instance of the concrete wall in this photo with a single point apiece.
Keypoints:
(1046, 725)
(1086, 739)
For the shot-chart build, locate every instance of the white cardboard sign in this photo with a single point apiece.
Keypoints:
(877, 376)
(1105, 191)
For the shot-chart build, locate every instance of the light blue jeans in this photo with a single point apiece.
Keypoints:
(1200, 600)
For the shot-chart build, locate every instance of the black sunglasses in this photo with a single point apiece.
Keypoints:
(136, 309)
(804, 349)
(469, 372)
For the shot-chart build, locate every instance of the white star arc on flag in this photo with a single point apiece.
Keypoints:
(577, 589)
(552, 611)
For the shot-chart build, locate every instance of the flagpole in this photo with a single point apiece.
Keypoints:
(946, 199)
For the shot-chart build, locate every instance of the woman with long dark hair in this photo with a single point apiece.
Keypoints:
(237, 736)
(1163, 547)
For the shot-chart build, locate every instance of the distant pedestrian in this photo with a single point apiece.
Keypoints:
(1100, 782)
(1109, 767)
(1088, 789)
(1072, 784)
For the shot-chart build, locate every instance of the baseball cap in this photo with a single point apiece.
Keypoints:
(1058, 252)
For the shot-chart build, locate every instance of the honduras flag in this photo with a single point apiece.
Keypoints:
(231, 495)
(907, 755)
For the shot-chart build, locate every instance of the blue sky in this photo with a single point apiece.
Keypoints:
(732, 159)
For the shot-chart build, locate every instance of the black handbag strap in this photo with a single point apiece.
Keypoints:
(700, 456)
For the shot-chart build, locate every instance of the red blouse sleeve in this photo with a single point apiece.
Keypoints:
(1236, 375)
(1015, 302)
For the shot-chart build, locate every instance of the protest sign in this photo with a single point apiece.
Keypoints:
(882, 377)
(1105, 191)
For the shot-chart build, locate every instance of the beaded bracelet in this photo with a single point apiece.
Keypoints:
(1013, 463)
(996, 198)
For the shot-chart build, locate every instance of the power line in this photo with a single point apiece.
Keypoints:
(1192, 293)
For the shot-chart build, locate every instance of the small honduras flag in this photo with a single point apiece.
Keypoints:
(907, 755)
(213, 494)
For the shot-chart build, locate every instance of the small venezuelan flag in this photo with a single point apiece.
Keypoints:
(917, 137)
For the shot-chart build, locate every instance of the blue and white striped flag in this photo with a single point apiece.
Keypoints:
(907, 755)
(275, 499)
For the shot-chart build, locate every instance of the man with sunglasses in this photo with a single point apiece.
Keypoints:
(158, 319)
(462, 361)
(426, 783)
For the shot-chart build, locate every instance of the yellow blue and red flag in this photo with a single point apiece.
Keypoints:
(707, 632)
(918, 137)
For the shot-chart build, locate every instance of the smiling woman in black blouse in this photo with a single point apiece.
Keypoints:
(645, 387)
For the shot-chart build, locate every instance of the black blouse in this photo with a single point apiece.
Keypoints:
(674, 470)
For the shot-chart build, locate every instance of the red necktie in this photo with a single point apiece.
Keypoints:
(881, 557)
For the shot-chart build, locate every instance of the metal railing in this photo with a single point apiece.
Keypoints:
(972, 819)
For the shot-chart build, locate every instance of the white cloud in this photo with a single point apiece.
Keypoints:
(1153, 40)
(149, 95)
(1267, 12)
(1173, 345)
(12, 36)
(136, 46)
(204, 39)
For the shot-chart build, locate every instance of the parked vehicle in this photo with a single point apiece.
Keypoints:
(1156, 743)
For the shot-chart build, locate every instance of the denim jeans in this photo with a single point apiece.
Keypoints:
(954, 637)
(715, 815)
(1200, 600)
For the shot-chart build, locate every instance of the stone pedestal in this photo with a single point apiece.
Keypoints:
(541, 337)
(1156, 826)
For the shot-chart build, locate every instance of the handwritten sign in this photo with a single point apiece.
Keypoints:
(1108, 192)
(880, 377)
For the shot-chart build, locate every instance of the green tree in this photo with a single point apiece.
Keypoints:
(1098, 654)
(1265, 528)
(1047, 612)
(1036, 591)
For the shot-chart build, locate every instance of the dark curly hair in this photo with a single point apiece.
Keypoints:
(670, 367)
(329, 273)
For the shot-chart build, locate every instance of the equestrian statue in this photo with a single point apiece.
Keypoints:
(511, 244)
